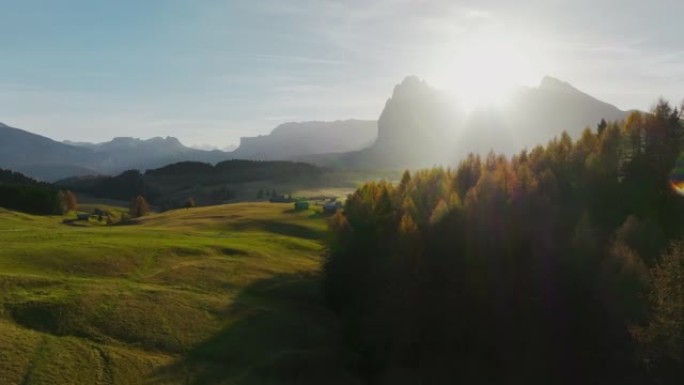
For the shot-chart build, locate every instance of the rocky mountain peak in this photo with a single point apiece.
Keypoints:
(549, 83)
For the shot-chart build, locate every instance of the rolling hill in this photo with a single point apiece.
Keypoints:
(221, 294)
(171, 186)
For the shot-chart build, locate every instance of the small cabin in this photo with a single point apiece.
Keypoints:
(99, 213)
(301, 205)
(332, 207)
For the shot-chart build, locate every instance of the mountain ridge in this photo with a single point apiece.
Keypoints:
(419, 126)
(295, 139)
(46, 159)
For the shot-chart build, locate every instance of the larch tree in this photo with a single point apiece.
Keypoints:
(139, 207)
(69, 200)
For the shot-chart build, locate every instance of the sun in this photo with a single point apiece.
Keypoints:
(483, 68)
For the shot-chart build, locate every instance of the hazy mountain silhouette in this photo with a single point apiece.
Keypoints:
(132, 153)
(421, 126)
(413, 129)
(41, 157)
(534, 116)
(49, 160)
(294, 140)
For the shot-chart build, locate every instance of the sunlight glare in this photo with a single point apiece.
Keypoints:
(484, 68)
(677, 176)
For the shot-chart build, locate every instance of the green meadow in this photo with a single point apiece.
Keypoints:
(213, 295)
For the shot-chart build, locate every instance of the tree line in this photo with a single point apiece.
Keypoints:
(21, 193)
(160, 186)
(561, 264)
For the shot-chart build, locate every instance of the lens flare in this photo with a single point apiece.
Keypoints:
(677, 176)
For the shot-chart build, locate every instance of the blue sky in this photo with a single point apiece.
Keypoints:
(209, 72)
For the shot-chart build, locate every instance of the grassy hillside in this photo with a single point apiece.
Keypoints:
(222, 294)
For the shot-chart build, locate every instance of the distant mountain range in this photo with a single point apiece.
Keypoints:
(49, 160)
(131, 153)
(419, 126)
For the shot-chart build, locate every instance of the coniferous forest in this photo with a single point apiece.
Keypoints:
(19, 192)
(562, 264)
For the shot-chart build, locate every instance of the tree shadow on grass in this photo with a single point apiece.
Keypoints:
(279, 332)
(314, 213)
(281, 228)
(126, 222)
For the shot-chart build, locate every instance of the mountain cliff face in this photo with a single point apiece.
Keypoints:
(293, 140)
(414, 129)
(420, 126)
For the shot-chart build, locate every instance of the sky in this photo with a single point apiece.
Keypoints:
(209, 71)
